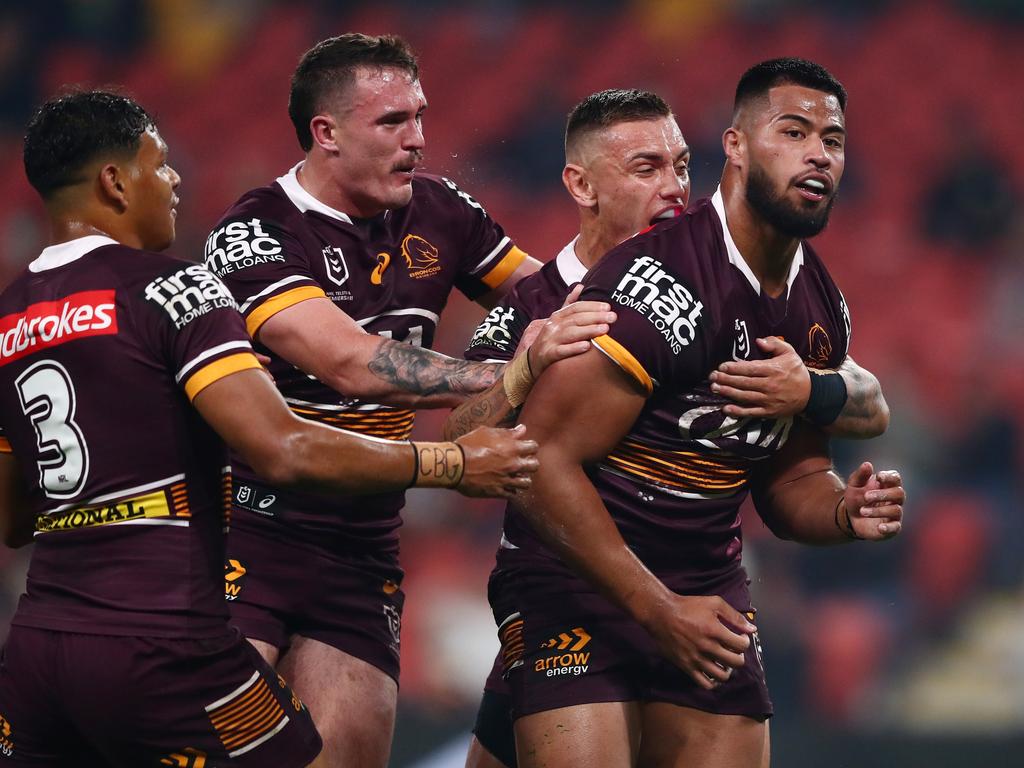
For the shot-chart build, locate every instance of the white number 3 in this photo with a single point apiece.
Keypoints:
(48, 399)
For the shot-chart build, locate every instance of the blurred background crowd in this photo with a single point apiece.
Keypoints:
(907, 653)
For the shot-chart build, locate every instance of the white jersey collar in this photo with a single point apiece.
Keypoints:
(736, 258)
(569, 266)
(64, 253)
(304, 201)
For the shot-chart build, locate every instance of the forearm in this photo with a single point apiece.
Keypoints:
(404, 375)
(490, 408)
(807, 509)
(865, 413)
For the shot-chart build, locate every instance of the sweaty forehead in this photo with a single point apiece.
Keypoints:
(385, 88)
(623, 140)
(813, 104)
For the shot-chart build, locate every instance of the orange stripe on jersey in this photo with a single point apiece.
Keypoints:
(5, 445)
(625, 360)
(682, 471)
(504, 268)
(275, 304)
(387, 424)
(218, 369)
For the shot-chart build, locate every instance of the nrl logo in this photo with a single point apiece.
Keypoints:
(741, 342)
(334, 261)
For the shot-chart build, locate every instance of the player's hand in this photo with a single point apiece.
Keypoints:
(567, 332)
(774, 388)
(499, 462)
(704, 636)
(264, 361)
(874, 502)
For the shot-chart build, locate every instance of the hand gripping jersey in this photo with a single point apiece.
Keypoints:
(686, 302)
(535, 296)
(392, 274)
(101, 349)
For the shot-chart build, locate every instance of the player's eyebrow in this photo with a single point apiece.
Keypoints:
(832, 128)
(646, 155)
(684, 153)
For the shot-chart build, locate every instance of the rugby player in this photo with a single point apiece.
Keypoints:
(123, 372)
(341, 268)
(626, 168)
(625, 619)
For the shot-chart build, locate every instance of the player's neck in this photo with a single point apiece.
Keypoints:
(595, 241)
(66, 227)
(767, 252)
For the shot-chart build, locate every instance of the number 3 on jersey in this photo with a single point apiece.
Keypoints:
(48, 399)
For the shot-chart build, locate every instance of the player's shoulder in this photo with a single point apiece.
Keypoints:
(442, 194)
(268, 202)
(685, 246)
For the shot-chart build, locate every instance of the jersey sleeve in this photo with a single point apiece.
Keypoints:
(488, 256)
(263, 265)
(497, 337)
(188, 319)
(660, 336)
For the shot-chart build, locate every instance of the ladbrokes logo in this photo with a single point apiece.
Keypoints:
(189, 293)
(420, 257)
(241, 244)
(571, 660)
(663, 300)
(49, 323)
(496, 329)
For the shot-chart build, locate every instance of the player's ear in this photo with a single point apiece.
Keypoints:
(113, 185)
(578, 183)
(734, 143)
(325, 132)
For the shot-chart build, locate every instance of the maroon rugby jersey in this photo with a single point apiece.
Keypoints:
(101, 349)
(686, 302)
(392, 274)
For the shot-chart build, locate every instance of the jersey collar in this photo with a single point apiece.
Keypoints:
(64, 253)
(569, 266)
(736, 258)
(304, 201)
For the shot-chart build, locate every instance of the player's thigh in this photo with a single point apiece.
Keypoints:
(352, 702)
(479, 756)
(154, 701)
(269, 652)
(605, 734)
(683, 737)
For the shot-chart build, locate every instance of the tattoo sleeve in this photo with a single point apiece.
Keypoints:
(427, 373)
(490, 408)
(866, 413)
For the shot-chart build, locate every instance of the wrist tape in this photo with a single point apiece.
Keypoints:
(438, 465)
(827, 398)
(517, 379)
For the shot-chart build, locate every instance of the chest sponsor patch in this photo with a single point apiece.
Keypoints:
(239, 245)
(660, 297)
(51, 323)
(496, 329)
(189, 293)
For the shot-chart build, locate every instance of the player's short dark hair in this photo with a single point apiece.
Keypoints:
(70, 131)
(757, 80)
(330, 66)
(616, 105)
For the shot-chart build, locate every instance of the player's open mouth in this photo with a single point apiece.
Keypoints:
(814, 187)
(670, 212)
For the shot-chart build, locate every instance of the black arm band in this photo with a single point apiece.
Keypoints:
(827, 398)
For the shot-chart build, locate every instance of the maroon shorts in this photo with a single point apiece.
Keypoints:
(99, 700)
(561, 648)
(276, 590)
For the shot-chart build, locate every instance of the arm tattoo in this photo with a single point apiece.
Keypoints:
(865, 413)
(490, 409)
(425, 372)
